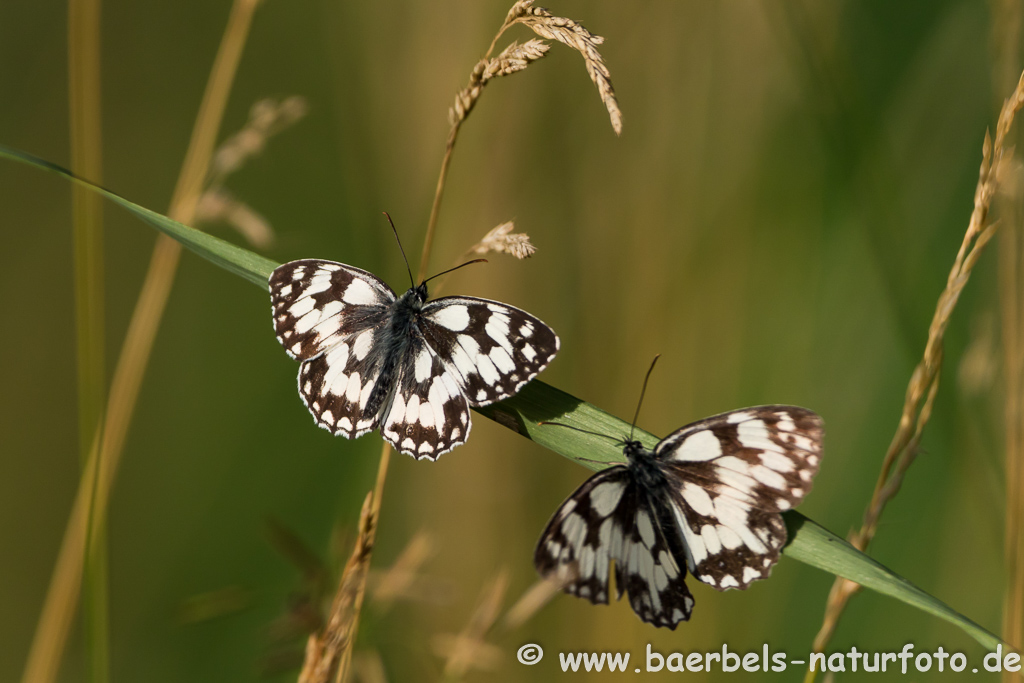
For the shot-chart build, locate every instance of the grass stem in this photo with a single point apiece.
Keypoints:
(87, 514)
(85, 115)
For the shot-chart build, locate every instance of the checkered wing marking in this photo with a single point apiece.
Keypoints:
(317, 304)
(733, 474)
(429, 414)
(336, 385)
(611, 517)
(491, 349)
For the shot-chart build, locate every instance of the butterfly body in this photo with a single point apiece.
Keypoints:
(404, 364)
(707, 499)
(402, 326)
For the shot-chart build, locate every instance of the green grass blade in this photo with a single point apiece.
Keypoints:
(242, 262)
(538, 402)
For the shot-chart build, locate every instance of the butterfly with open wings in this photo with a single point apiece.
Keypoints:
(706, 499)
(406, 365)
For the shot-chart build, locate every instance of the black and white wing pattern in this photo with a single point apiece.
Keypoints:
(331, 316)
(731, 475)
(429, 414)
(707, 498)
(410, 367)
(612, 517)
(491, 349)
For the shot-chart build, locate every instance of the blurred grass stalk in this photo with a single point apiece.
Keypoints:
(996, 165)
(85, 116)
(1011, 281)
(106, 446)
(1011, 260)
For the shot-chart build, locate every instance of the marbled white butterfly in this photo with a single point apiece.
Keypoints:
(707, 499)
(411, 367)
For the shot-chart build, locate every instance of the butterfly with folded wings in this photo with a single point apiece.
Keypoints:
(707, 499)
(411, 367)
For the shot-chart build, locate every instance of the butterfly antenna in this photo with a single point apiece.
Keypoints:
(577, 429)
(643, 390)
(400, 248)
(445, 272)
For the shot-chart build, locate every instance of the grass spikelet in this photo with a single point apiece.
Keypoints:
(513, 58)
(400, 579)
(545, 24)
(267, 118)
(503, 241)
(219, 205)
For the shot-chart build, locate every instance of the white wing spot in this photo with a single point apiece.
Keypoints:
(605, 497)
(363, 343)
(488, 373)
(359, 293)
(424, 362)
(729, 582)
(502, 360)
(778, 461)
(698, 499)
(699, 447)
(353, 387)
(455, 318)
(646, 529)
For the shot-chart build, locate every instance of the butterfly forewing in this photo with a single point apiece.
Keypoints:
(731, 475)
(611, 518)
(317, 304)
(490, 348)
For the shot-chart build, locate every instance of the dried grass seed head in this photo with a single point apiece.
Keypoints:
(502, 240)
(542, 22)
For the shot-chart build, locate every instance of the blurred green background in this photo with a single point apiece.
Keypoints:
(777, 220)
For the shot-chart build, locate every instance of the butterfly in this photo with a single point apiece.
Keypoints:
(411, 367)
(706, 499)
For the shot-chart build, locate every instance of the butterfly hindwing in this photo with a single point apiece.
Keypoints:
(429, 415)
(611, 518)
(337, 385)
(491, 349)
(317, 304)
(731, 476)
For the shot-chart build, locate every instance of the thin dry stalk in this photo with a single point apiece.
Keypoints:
(469, 649)
(515, 58)
(532, 601)
(85, 115)
(62, 595)
(1011, 258)
(924, 381)
(329, 652)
